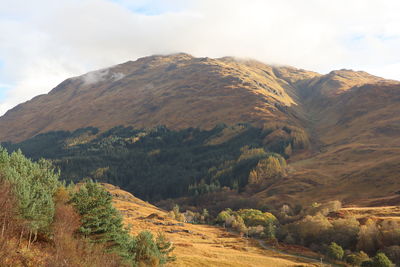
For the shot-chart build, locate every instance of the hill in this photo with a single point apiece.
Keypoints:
(221, 118)
(198, 245)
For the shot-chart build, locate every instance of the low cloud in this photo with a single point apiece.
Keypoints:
(44, 42)
(98, 76)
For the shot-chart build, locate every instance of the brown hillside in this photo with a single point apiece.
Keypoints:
(357, 149)
(178, 91)
(198, 245)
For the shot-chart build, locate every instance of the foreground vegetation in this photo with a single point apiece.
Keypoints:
(45, 223)
(340, 239)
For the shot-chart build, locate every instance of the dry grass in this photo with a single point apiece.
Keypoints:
(198, 245)
(376, 213)
(178, 91)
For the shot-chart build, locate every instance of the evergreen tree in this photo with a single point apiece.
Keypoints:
(153, 252)
(34, 185)
(164, 247)
(101, 222)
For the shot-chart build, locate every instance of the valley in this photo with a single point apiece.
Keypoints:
(300, 159)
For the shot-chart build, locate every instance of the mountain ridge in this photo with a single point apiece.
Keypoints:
(259, 84)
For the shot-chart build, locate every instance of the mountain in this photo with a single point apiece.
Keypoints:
(177, 91)
(339, 132)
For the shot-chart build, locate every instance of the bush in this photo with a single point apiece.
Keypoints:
(345, 232)
(176, 214)
(393, 253)
(390, 231)
(253, 217)
(380, 260)
(357, 258)
(311, 229)
(152, 252)
(223, 216)
(368, 237)
(256, 231)
(239, 225)
(335, 251)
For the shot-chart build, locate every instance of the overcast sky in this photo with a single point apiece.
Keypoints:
(43, 42)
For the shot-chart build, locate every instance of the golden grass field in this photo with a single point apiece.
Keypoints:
(198, 245)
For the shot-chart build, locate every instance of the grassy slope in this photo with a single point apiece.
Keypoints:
(198, 245)
(177, 91)
(356, 136)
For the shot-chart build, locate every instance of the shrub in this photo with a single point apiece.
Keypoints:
(312, 229)
(335, 251)
(357, 258)
(393, 253)
(253, 217)
(380, 260)
(256, 231)
(368, 237)
(153, 252)
(239, 225)
(176, 214)
(146, 249)
(345, 232)
(390, 231)
(223, 216)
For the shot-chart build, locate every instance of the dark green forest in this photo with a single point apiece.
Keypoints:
(160, 163)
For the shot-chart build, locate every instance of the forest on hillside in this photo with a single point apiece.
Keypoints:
(160, 163)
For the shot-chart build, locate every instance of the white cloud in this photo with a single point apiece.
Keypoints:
(43, 42)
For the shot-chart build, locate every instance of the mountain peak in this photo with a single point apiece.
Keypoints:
(177, 91)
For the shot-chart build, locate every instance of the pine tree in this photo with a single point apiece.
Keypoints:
(34, 185)
(101, 222)
(165, 247)
(153, 252)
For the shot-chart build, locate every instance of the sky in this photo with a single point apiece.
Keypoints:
(43, 42)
